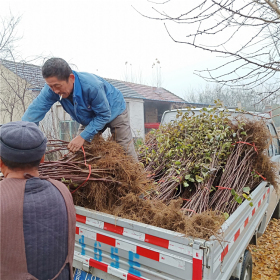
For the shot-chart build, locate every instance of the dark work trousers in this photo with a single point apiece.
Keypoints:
(121, 132)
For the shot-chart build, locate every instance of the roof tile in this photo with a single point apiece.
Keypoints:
(31, 73)
(132, 90)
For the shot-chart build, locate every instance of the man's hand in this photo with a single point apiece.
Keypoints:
(76, 144)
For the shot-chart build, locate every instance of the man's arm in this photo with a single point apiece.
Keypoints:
(37, 110)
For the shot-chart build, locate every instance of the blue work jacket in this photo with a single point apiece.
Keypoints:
(96, 103)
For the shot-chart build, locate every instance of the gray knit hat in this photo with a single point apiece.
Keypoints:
(22, 142)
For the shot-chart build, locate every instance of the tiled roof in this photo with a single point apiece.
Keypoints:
(124, 89)
(32, 73)
(132, 90)
(29, 72)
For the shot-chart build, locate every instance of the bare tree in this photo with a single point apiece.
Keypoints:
(17, 90)
(236, 98)
(131, 75)
(157, 78)
(246, 33)
(16, 86)
(8, 36)
(20, 82)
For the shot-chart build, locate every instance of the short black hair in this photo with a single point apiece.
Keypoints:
(56, 67)
(20, 165)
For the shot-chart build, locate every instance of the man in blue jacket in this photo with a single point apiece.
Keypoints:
(90, 100)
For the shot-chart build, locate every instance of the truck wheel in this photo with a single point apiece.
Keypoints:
(247, 266)
(276, 213)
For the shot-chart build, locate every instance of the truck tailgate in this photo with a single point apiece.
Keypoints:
(131, 250)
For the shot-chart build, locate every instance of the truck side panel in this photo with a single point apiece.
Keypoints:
(238, 231)
(136, 249)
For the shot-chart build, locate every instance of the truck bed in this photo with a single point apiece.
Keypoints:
(110, 247)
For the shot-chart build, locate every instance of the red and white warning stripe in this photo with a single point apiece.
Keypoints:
(142, 251)
(120, 273)
(224, 252)
(164, 243)
(197, 255)
(197, 264)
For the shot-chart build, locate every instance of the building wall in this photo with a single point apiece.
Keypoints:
(136, 116)
(151, 114)
(15, 96)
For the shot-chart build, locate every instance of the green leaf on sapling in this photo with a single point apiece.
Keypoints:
(246, 190)
(226, 215)
(198, 178)
(239, 200)
(185, 184)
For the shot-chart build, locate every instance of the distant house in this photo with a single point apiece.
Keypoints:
(19, 84)
(145, 104)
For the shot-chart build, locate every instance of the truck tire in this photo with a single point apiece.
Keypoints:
(276, 213)
(247, 266)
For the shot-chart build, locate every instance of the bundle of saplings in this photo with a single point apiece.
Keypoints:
(212, 160)
(105, 179)
(191, 172)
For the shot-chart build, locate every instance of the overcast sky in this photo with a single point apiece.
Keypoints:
(100, 36)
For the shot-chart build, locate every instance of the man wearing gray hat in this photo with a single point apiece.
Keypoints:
(37, 215)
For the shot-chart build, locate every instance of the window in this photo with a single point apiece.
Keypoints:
(68, 130)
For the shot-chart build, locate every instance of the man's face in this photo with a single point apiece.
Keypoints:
(62, 88)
